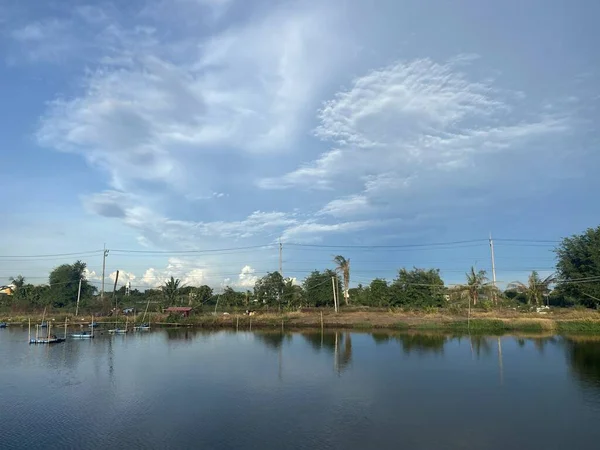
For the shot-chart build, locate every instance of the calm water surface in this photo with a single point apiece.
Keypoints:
(226, 390)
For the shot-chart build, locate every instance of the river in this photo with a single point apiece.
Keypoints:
(225, 390)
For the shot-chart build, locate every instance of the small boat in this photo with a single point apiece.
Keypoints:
(118, 331)
(144, 326)
(83, 335)
(3, 324)
(49, 338)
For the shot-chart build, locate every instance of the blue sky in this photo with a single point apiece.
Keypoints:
(189, 125)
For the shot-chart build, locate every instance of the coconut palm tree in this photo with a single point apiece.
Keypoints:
(535, 289)
(171, 288)
(18, 281)
(477, 283)
(343, 266)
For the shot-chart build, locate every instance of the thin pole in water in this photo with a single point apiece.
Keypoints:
(65, 327)
(237, 323)
(321, 322)
(250, 323)
(29, 334)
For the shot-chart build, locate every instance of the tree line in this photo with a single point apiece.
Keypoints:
(575, 282)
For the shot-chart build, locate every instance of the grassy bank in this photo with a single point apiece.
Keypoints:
(491, 322)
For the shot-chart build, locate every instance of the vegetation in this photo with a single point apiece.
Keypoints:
(343, 266)
(576, 283)
(535, 290)
(578, 269)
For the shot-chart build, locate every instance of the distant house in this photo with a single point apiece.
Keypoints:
(183, 310)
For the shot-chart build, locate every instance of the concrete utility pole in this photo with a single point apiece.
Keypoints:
(78, 297)
(104, 255)
(335, 300)
(280, 258)
(493, 265)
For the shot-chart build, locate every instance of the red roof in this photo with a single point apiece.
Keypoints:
(179, 308)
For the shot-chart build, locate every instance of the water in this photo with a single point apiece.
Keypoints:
(224, 390)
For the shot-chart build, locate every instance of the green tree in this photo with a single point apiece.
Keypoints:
(293, 294)
(171, 290)
(64, 283)
(343, 267)
(359, 295)
(379, 293)
(578, 268)
(477, 284)
(269, 289)
(18, 281)
(418, 287)
(318, 288)
(535, 289)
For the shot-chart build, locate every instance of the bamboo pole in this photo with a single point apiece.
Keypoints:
(321, 322)
(250, 323)
(29, 333)
(237, 323)
(65, 328)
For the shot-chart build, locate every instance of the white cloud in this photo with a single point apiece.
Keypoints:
(411, 129)
(246, 278)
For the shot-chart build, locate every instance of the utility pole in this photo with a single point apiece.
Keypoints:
(78, 297)
(280, 258)
(104, 255)
(335, 307)
(493, 266)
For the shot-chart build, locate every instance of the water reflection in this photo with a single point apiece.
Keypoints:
(339, 343)
(584, 359)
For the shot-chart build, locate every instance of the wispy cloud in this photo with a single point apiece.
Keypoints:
(411, 128)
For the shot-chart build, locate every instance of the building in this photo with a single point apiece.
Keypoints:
(183, 310)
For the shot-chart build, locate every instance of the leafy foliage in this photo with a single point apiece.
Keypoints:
(64, 283)
(269, 289)
(535, 289)
(171, 290)
(418, 288)
(343, 267)
(318, 288)
(578, 268)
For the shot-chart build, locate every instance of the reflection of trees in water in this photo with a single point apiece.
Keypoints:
(174, 334)
(338, 343)
(381, 338)
(273, 339)
(584, 359)
(422, 343)
(481, 344)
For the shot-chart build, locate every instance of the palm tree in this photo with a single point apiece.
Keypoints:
(343, 266)
(171, 288)
(535, 289)
(18, 281)
(476, 284)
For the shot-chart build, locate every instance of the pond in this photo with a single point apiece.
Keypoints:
(272, 390)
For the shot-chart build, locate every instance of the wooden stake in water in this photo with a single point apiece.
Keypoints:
(237, 323)
(321, 321)
(282, 325)
(29, 334)
(65, 327)
(250, 323)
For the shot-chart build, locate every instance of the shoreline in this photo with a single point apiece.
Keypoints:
(493, 322)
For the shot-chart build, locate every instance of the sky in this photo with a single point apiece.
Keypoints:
(190, 137)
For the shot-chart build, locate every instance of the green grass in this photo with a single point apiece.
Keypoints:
(578, 326)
